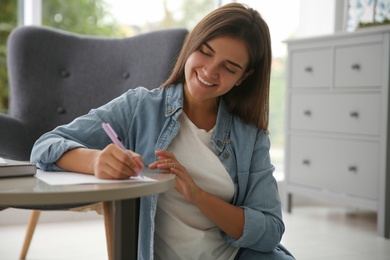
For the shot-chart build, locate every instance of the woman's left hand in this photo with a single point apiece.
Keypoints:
(185, 185)
(228, 217)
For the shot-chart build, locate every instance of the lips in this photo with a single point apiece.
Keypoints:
(204, 81)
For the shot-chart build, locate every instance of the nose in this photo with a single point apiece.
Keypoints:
(210, 70)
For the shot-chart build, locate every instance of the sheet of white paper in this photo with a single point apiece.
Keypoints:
(2, 161)
(71, 178)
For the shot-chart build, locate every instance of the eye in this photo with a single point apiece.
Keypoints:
(229, 70)
(204, 52)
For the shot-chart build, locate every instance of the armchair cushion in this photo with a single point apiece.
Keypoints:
(13, 138)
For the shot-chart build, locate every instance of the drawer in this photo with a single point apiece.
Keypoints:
(338, 113)
(336, 165)
(311, 68)
(359, 66)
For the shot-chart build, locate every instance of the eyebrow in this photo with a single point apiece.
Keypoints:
(229, 61)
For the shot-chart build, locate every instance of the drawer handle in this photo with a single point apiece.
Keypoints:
(309, 69)
(307, 112)
(353, 169)
(355, 66)
(354, 114)
(306, 162)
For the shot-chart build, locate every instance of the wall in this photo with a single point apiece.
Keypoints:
(321, 17)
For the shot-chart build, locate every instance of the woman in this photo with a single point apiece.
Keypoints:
(207, 124)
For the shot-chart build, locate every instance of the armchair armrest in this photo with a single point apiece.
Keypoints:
(14, 143)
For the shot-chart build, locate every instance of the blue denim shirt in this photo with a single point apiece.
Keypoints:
(146, 120)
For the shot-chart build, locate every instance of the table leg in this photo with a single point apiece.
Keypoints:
(108, 211)
(126, 229)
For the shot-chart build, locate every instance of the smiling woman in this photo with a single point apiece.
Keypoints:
(208, 125)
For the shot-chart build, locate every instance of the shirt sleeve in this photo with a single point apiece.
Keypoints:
(263, 228)
(85, 131)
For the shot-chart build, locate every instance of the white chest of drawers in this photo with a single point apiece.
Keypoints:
(337, 121)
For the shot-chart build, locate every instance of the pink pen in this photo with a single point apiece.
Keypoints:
(114, 138)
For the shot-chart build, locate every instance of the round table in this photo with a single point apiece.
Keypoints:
(33, 193)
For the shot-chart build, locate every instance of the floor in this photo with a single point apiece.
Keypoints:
(312, 233)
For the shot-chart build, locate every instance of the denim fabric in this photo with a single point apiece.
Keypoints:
(146, 120)
(280, 253)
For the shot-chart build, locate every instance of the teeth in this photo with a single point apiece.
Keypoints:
(203, 81)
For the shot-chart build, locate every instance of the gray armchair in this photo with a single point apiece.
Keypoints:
(56, 76)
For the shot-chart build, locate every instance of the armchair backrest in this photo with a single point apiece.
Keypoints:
(56, 76)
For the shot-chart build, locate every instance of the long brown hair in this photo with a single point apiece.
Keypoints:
(250, 101)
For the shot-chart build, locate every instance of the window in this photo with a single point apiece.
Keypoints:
(122, 18)
(282, 18)
(8, 21)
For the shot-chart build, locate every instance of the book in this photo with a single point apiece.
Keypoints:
(11, 168)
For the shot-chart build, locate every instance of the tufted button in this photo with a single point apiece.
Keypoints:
(65, 73)
(225, 155)
(61, 110)
(125, 75)
(228, 141)
(219, 143)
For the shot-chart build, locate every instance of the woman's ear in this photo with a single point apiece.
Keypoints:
(246, 74)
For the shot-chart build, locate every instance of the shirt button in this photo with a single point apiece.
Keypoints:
(225, 155)
(219, 143)
(61, 110)
(228, 141)
(65, 73)
(170, 109)
(236, 179)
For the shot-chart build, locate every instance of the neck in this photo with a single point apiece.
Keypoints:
(202, 115)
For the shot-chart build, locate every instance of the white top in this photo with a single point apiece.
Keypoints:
(182, 231)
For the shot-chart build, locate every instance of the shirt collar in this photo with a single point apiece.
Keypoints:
(173, 99)
(223, 127)
(174, 107)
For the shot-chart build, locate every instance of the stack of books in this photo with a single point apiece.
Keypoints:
(11, 168)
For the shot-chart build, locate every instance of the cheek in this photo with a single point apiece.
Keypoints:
(191, 62)
(190, 65)
(187, 70)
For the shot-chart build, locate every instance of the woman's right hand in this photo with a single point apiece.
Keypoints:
(116, 163)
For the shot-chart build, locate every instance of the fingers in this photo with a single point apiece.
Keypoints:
(116, 163)
(137, 158)
(166, 161)
(165, 154)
